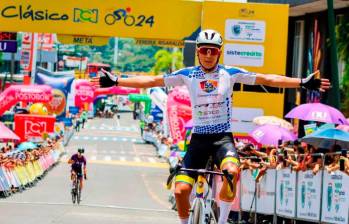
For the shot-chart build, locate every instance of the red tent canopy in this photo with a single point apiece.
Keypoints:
(6, 134)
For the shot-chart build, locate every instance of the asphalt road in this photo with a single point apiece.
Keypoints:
(126, 182)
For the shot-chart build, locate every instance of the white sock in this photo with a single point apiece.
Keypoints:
(184, 221)
(224, 210)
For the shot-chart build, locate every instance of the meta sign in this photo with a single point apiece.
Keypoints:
(8, 42)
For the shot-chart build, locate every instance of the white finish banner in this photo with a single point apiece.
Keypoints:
(266, 193)
(286, 193)
(335, 198)
(309, 195)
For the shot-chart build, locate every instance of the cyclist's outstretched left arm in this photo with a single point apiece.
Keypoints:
(286, 82)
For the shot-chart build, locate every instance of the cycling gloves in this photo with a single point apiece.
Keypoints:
(311, 82)
(107, 79)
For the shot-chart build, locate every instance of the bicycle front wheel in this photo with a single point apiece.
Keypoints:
(197, 216)
(78, 193)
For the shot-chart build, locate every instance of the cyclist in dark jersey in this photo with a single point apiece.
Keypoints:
(77, 171)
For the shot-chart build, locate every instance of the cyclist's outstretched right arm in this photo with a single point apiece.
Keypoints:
(109, 80)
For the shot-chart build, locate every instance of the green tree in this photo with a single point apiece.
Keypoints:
(167, 61)
(342, 33)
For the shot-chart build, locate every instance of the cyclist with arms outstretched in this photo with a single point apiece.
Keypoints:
(210, 86)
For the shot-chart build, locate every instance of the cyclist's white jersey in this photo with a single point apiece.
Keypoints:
(211, 95)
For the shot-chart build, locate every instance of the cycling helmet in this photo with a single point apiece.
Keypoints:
(211, 37)
(81, 150)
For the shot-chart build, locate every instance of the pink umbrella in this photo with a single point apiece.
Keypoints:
(317, 112)
(271, 134)
(6, 134)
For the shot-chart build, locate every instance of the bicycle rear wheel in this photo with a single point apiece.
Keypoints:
(197, 213)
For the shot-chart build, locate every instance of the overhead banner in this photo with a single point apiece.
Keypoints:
(161, 43)
(309, 196)
(134, 19)
(83, 40)
(335, 198)
(286, 193)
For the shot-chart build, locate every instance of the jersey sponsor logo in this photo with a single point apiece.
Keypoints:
(209, 85)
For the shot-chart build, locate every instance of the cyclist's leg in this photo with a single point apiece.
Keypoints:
(227, 159)
(72, 177)
(195, 158)
(80, 176)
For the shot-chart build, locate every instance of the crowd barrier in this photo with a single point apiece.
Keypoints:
(26, 175)
(299, 195)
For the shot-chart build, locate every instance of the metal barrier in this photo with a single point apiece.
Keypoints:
(320, 198)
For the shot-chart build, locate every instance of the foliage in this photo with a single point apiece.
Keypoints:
(342, 33)
(131, 57)
(166, 61)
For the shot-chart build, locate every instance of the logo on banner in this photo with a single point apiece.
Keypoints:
(208, 85)
(329, 196)
(57, 104)
(34, 128)
(124, 15)
(85, 15)
(236, 29)
(244, 55)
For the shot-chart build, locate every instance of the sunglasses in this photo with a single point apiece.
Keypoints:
(209, 50)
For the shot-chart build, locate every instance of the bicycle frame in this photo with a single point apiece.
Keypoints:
(204, 201)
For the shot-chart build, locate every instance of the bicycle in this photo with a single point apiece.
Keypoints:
(76, 191)
(204, 207)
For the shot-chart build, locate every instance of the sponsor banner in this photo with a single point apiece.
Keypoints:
(27, 52)
(24, 93)
(335, 197)
(75, 62)
(9, 46)
(286, 193)
(84, 93)
(60, 84)
(161, 43)
(245, 30)
(83, 40)
(266, 193)
(178, 112)
(132, 19)
(45, 41)
(8, 36)
(244, 55)
(33, 126)
(309, 195)
(247, 190)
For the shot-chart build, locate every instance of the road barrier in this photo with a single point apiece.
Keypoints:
(297, 195)
(26, 174)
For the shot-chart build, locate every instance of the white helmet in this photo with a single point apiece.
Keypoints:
(209, 37)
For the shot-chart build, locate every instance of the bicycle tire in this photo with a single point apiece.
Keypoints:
(73, 195)
(215, 210)
(197, 211)
(78, 192)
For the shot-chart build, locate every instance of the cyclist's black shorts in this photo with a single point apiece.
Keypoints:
(219, 146)
(78, 173)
